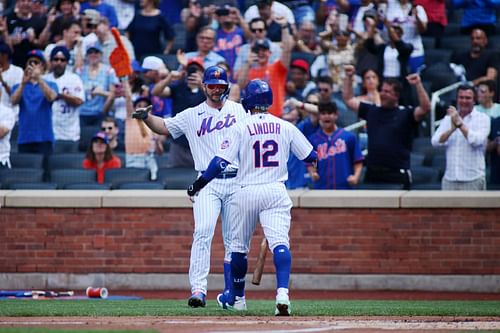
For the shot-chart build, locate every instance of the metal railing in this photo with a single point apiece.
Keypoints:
(435, 99)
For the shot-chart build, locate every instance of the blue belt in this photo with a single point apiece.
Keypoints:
(227, 175)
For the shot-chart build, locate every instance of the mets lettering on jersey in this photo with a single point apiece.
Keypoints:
(324, 151)
(207, 127)
(263, 128)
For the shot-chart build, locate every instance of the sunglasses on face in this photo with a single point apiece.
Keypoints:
(34, 63)
(109, 128)
(59, 60)
(260, 30)
(324, 89)
(216, 86)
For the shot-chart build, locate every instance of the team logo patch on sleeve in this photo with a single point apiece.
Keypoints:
(224, 144)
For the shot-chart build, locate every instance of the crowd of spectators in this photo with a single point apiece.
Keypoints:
(330, 63)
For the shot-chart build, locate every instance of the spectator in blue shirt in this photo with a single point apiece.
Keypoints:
(103, 8)
(35, 96)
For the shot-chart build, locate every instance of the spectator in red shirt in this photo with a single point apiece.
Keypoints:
(100, 157)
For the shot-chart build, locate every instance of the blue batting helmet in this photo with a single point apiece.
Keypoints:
(215, 75)
(257, 95)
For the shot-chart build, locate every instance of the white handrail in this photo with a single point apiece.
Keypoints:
(354, 126)
(435, 99)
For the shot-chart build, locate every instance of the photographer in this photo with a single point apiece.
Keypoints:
(185, 89)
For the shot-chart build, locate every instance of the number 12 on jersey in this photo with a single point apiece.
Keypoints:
(264, 153)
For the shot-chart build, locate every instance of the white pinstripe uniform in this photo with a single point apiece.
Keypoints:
(262, 144)
(204, 127)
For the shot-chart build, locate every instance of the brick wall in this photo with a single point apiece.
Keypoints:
(324, 241)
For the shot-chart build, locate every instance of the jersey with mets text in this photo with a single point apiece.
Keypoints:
(204, 127)
(262, 144)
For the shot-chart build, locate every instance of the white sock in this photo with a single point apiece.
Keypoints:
(282, 291)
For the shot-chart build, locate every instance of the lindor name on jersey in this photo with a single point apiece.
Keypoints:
(263, 128)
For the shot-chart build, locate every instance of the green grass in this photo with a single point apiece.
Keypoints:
(20, 308)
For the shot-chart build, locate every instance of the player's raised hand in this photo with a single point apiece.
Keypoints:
(142, 113)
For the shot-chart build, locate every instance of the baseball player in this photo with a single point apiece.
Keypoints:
(203, 126)
(262, 144)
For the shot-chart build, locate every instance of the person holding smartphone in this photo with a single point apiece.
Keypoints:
(35, 96)
(184, 87)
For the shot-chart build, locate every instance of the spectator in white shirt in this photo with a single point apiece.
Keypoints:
(65, 109)
(9, 76)
(464, 133)
(7, 121)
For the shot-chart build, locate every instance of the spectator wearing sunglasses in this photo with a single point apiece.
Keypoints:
(258, 30)
(65, 109)
(71, 35)
(109, 125)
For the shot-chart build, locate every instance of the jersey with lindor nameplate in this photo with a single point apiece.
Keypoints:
(262, 144)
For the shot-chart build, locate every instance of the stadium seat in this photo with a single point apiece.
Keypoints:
(439, 74)
(433, 56)
(180, 37)
(20, 175)
(417, 159)
(66, 147)
(116, 177)
(458, 43)
(426, 187)
(379, 186)
(63, 177)
(86, 134)
(26, 160)
(141, 186)
(33, 186)
(439, 161)
(452, 29)
(13, 138)
(170, 61)
(424, 175)
(177, 178)
(87, 186)
(66, 161)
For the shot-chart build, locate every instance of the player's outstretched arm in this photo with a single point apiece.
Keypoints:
(216, 166)
(155, 123)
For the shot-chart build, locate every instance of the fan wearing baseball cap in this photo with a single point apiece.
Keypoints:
(257, 66)
(100, 157)
(35, 96)
(299, 85)
(65, 110)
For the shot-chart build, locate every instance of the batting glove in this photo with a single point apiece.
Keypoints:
(142, 113)
(196, 187)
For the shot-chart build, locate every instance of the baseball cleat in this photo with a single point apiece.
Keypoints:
(239, 303)
(197, 300)
(282, 305)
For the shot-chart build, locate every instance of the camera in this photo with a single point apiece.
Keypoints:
(222, 12)
(191, 70)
